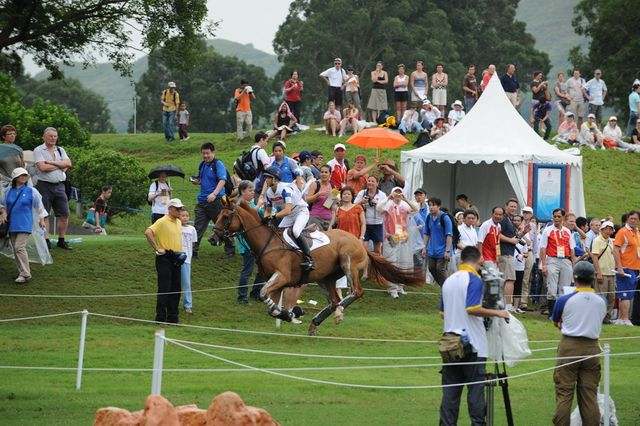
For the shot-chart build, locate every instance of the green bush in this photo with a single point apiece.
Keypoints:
(93, 169)
(31, 122)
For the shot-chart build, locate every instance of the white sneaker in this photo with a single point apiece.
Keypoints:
(393, 293)
(627, 322)
(518, 311)
(617, 322)
(22, 279)
(295, 320)
(401, 291)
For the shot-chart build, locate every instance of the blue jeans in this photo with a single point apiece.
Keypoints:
(169, 124)
(416, 127)
(248, 264)
(469, 103)
(633, 117)
(185, 274)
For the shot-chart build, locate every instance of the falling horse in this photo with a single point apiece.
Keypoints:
(343, 256)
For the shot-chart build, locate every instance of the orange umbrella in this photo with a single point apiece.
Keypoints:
(377, 138)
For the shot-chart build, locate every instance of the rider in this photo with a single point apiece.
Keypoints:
(292, 209)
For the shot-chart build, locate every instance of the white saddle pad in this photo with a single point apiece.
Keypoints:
(320, 239)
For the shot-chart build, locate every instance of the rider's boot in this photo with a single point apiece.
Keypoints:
(307, 262)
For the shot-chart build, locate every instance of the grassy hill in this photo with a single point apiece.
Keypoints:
(118, 91)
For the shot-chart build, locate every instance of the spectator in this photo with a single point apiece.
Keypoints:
(626, 248)
(634, 107)
(352, 89)
(612, 137)
(508, 239)
(189, 238)
(357, 177)
(590, 135)
(568, 131)
(457, 114)
(304, 159)
(520, 261)
(12, 157)
(604, 263)
(378, 99)
(369, 198)
(289, 170)
(244, 118)
(160, 193)
(462, 311)
(334, 77)
(401, 91)
(556, 257)
(428, 114)
(440, 128)
(562, 96)
(212, 176)
(530, 230)
(420, 220)
(594, 231)
(183, 119)
(468, 233)
(390, 177)
(470, 88)
(411, 121)
(439, 83)
(339, 166)
(511, 86)
(438, 240)
(489, 236)
(349, 120)
(332, 120)
(463, 202)
(22, 204)
(317, 160)
(597, 89)
(575, 89)
(418, 82)
(320, 199)
(349, 217)
(52, 164)
(396, 247)
(293, 89)
(579, 317)
(246, 192)
(170, 101)
(635, 134)
(97, 215)
(260, 160)
(541, 113)
(486, 77)
(165, 237)
(538, 91)
(283, 122)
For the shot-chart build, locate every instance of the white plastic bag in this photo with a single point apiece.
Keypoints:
(493, 339)
(508, 340)
(576, 420)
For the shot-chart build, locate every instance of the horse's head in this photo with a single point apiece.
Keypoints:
(228, 222)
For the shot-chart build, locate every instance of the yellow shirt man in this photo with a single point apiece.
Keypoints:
(167, 232)
(170, 98)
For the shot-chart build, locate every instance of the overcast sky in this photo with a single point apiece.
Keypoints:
(243, 21)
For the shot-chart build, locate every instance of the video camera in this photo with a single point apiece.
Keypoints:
(493, 297)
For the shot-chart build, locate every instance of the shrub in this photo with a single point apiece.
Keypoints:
(93, 169)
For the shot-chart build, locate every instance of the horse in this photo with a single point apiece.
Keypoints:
(343, 256)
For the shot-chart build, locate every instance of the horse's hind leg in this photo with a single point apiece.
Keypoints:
(330, 288)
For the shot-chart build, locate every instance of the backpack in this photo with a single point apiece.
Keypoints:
(243, 166)
(423, 139)
(228, 184)
(454, 229)
(164, 94)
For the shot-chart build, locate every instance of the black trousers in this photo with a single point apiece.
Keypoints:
(167, 305)
(450, 405)
(294, 106)
(205, 213)
(335, 94)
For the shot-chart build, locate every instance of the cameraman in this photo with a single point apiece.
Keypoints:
(165, 236)
(461, 308)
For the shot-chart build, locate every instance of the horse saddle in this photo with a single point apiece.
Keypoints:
(315, 238)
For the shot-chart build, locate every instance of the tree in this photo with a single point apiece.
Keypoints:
(62, 31)
(91, 108)
(207, 89)
(453, 33)
(614, 42)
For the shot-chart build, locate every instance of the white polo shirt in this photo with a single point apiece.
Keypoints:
(581, 313)
(462, 292)
(335, 76)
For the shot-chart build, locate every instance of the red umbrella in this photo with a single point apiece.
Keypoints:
(378, 138)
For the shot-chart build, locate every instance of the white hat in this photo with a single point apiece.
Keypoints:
(171, 84)
(396, 188)
(338, 146)
(175, 202)
(457, 102)
(568, 114)
(426, 102)
(527, 209)
(591, 116)
(607, 223)
(613, 117)
(19, 171)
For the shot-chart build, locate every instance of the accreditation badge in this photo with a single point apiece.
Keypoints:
(498, 249)
(561, 251)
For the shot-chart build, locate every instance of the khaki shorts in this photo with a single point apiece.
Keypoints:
(507, 266)
(577, 108)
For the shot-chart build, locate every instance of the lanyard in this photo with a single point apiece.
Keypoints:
(555, 235)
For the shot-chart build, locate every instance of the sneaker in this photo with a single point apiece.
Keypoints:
(525, 308)
(186, 139)
(393, 293)
(64, 245)
(22, 279)
(627, 322)
(518, 311)
(401, 291)
(188, 311)
(295, 320)
(617, 322)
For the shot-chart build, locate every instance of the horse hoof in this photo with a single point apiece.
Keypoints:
(313, 330)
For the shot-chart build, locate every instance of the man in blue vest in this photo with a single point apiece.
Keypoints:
(437, 240)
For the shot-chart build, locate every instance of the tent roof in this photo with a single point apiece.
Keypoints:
(492, 131)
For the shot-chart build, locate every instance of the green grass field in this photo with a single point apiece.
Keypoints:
(122, 263)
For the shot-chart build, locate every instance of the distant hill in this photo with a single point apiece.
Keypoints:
(118, 90)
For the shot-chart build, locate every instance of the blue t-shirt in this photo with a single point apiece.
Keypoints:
(541, 111)
(437, 235)
(423, 212)
(288, 169)
(634, 98)
(209, 181)
(20, 203)
(510, 84)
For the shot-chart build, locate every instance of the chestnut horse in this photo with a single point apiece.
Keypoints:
(344, 255)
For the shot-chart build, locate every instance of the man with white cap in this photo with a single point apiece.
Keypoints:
(590, 134)
(339, 167)
(456, 114)
(165, 237)
(597, 89)
(428, 113)
(334, 77)
(604, 263)
(170, 101)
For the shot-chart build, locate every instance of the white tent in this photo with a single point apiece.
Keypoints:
(487, 156)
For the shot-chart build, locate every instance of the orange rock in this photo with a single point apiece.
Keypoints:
(158, 411)
(227, 409)
(112, 416)
(191, 415)
(261, 417)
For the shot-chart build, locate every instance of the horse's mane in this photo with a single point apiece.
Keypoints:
(247, 209)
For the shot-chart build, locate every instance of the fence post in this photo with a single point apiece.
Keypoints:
(158, 357)
(607, 378)
(83, 335)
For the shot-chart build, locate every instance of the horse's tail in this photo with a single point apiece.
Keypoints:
(381, 270)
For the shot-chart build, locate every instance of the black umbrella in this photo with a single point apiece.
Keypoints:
(168, 169)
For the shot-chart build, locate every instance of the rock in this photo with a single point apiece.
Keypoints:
(261, 417)
(227, 409)
(112, 416)
(158, 411)
(191, 415)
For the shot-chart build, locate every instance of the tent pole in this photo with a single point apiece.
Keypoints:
(452, 196)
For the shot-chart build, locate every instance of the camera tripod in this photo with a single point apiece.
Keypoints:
(491, 387)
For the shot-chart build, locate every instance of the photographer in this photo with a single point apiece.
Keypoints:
(165, 236)
(539, 91)
(369, 198)
(242, 99)
(462, 311)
